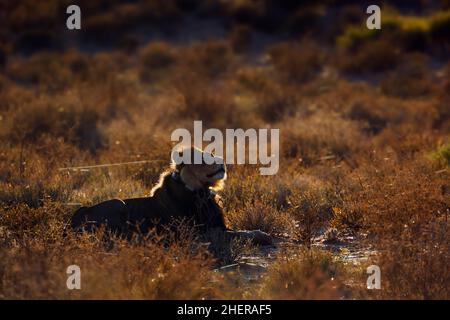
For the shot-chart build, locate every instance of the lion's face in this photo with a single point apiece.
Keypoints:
(209, 174)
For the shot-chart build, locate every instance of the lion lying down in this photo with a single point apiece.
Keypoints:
(186, 191)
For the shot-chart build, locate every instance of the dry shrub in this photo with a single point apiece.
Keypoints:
(209, 59)
(276, 102)
(59, 118)
(410, 79)
(36, 247)
(415, 264)
(373, 119)
(155, 59)
(30, 177)
(372, 57)
(356, 36)
(312, 210)
(409, 32)
(46, 69)
(105, 67)
(227, 250)
(377, 112)
(138, 139)
(257, 202)
(12, 96)
(261, 216)
(303, 274)
(404, 208)
(442, 119)
(104, 24)
(113, 21)
(47, 223)
(56, 72)
(212, 103)
(396, 196)
(29, 14)
(297, 62)
(113, 270)
(254, 79)
(384, 115)
(442, 155)
(320, 135)
(101, 185)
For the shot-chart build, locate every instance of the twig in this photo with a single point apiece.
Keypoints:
(227, 267)
(109, 165)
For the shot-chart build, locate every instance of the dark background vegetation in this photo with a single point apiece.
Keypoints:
(364, 118)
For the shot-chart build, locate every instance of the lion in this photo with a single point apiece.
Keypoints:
(186, 191)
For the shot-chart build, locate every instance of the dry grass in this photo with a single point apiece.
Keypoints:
(304, 274)
(374, 56)
(297, 62)
(410, 79)
(155, 59)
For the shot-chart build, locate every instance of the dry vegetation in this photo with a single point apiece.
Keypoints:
(364, 121)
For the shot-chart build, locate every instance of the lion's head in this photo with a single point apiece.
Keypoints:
(210, 173)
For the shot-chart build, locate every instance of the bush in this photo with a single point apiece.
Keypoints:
(209, 59)
(415, 265)
(414, 199)
(254, 79)
(56, 118)
(275, 102)
(409, 32)
(155, 58)
(148, 270)
(48, 70)
(212, 103)
(355, 37)
(320, 135)
(296, 62)
(442, 155)
(257, 202)
(372, 57)
(106, 23)
(374, 121)
(46, 222)
(261, 216)
(303, 274)
(409, 79)
(312, 210)
(442, 119)
(31, 177)
(30, 14)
